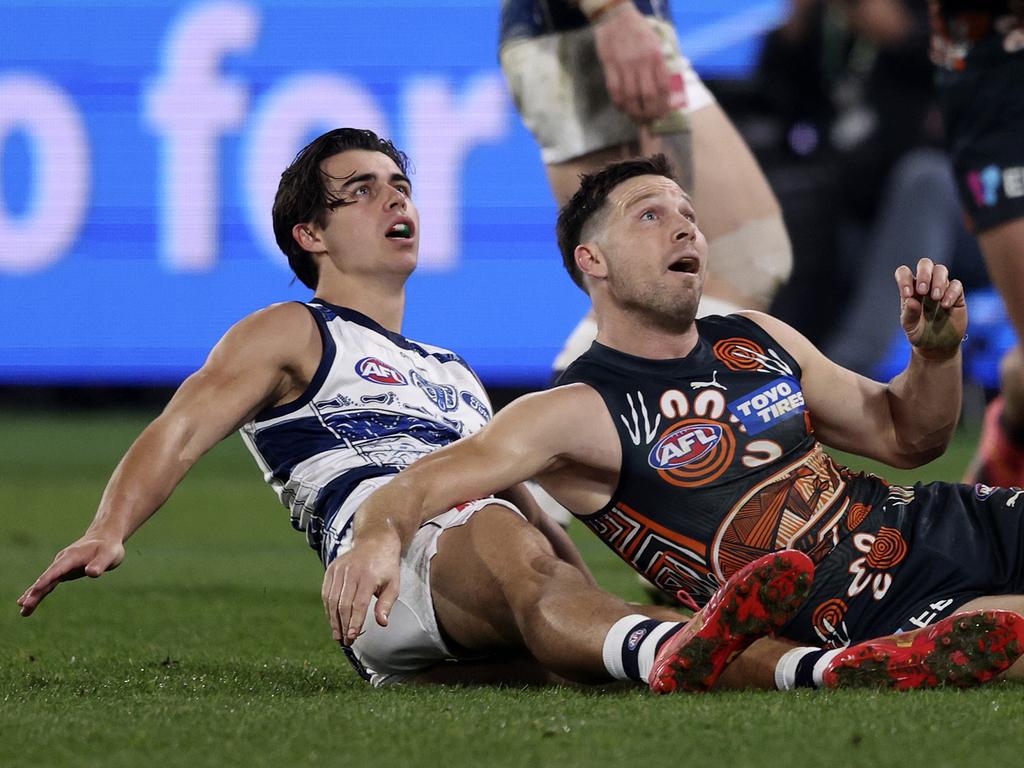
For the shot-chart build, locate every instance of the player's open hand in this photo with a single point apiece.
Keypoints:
(370, 568)
(932, 309)
(634, 68)
(89, 556)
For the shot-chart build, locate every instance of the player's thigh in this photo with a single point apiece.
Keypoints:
(1013, 603)
(1002, 246)
(730, 189)
(564, 178)
(481, 570)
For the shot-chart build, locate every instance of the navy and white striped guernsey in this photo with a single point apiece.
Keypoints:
(377, 402)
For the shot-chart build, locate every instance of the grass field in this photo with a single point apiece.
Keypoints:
(208, 647)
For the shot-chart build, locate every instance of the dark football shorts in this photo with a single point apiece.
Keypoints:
(983, 108)
(924, 552)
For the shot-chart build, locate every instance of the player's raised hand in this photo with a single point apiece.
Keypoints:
(634, 69)
(89, 556)
(370, 568)
(932, 309)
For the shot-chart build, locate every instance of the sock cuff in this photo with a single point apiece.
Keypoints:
(614, 642)
(785, 669)
(822, 664)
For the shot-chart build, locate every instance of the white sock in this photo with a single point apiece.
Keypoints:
(631, 645)
(802, 668)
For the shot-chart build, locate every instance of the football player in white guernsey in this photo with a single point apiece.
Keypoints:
(333, 402)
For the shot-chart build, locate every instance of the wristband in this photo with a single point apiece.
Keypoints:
(595, 10)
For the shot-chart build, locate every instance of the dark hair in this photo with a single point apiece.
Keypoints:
(302, 194)
(590, 199)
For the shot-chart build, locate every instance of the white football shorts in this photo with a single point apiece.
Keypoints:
(411, 642)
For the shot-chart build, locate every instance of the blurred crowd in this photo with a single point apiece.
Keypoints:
(841, 113)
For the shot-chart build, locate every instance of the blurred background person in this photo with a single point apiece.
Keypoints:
(851, 83)
(603, 80)
(978, 46)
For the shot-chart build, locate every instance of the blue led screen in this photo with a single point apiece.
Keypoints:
(140, 145)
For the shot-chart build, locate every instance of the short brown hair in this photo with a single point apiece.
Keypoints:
(590, 199)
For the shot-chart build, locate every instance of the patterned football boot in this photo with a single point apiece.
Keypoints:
(962, 650)
(756, 601)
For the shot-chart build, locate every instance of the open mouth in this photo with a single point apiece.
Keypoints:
(687, 264)
(399, 231)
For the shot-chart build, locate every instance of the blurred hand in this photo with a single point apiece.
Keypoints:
(932, 309)
(370, 568)
(90, 556)
(634, 69)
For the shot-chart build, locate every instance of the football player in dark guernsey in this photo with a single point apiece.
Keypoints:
(692, 447)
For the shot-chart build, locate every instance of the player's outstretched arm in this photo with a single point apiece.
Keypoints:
(910, 420)
(524, 439)
(251, 366)
(630, 53)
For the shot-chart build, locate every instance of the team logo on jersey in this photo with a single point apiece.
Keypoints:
(476, 404)
(693, 452)
(376, 370)
(443, 396)
(739, 354)
(742, 355)
(829, 623)
(982, 491)
(776, 401)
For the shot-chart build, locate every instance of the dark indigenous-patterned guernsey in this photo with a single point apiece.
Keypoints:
(720, 466)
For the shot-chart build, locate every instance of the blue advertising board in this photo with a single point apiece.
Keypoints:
(141, 143)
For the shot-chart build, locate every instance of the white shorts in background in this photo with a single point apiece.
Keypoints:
(411, 642)
(558, 86)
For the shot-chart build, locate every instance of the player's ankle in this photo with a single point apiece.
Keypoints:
(803, 668)
(632, 644)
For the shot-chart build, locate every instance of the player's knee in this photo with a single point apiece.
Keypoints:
(756, 259)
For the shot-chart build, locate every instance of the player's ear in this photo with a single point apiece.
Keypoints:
(307, 235)
(590, 260)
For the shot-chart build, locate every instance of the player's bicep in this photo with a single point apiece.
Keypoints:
(848, 411)
(247, 370)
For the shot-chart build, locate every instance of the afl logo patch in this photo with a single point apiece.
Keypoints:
(693, 452)
(379, 372)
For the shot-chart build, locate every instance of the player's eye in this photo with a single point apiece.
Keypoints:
(648, 216)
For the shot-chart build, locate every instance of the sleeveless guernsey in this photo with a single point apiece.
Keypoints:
(377, 402)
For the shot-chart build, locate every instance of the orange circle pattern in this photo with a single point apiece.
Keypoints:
(738, 354)
(856, 515)
(888, 550)
(831, 611)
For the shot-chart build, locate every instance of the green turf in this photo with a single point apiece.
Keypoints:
(208, 647)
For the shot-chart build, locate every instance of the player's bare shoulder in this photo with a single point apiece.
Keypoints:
(280, 343)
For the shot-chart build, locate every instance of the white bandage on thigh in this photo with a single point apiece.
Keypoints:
(755, 259)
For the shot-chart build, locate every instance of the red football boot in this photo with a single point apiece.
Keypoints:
(962, 650)
(999, 460)
(756, 601)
